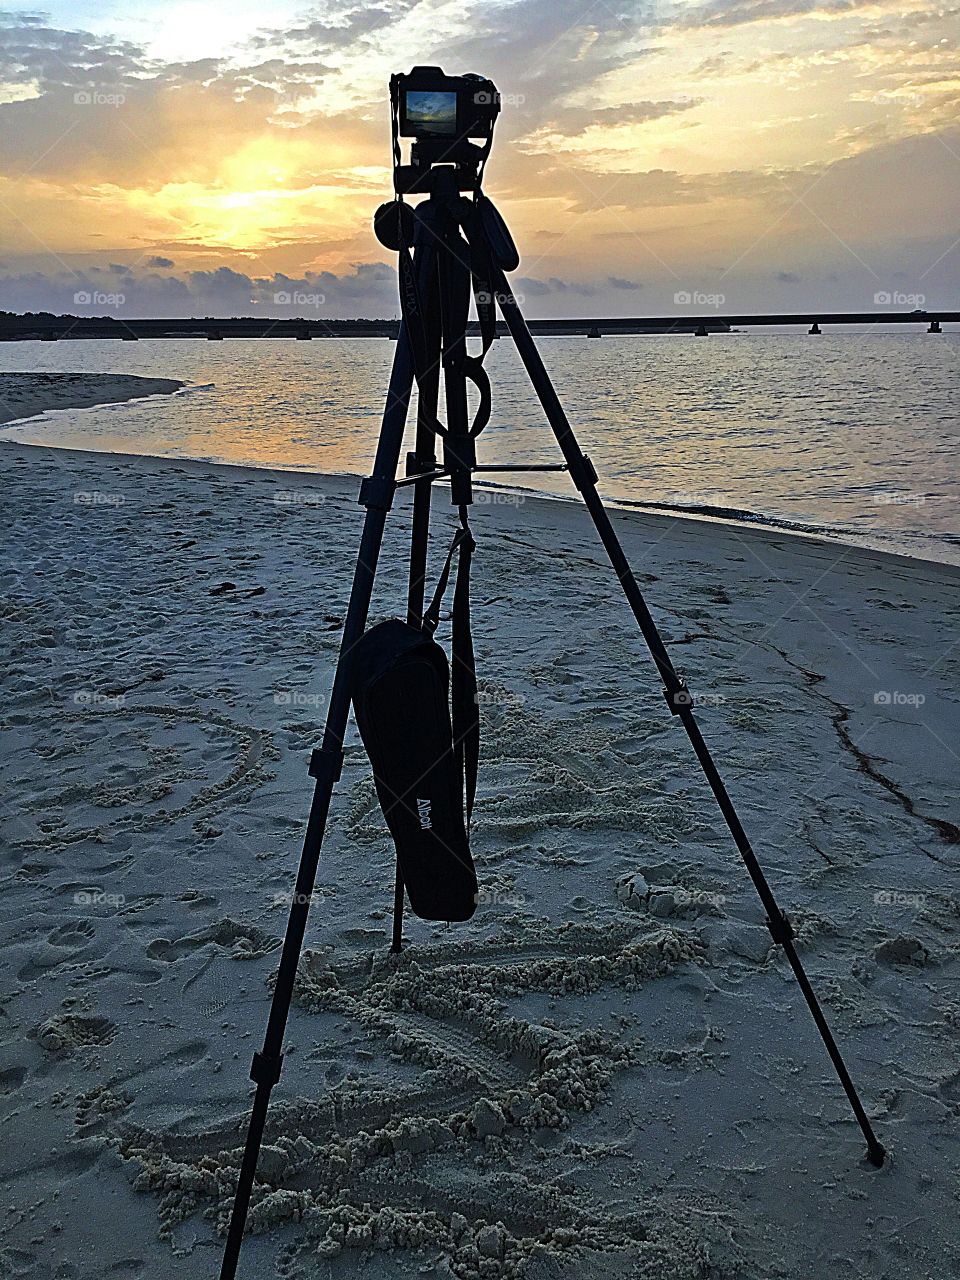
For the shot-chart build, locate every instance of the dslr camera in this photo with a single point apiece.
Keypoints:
(442, 114)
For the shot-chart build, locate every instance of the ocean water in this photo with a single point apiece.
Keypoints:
(852, 436)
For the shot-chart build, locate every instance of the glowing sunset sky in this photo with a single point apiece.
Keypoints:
(199, 158)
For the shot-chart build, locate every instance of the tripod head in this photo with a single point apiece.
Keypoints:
(441, 114)
(460, 243)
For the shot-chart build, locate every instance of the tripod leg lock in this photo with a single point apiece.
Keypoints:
(417, 466)
(326, 764)
(781, 930)
(265, 1069)
(459, 452)
(679, 698)
(377, 491)
(583, 473)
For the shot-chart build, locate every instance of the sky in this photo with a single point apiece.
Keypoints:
(179, 157)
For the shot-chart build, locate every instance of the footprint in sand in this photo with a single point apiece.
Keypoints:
(902, 950)
(63, 944)
(65, 1032)
(17, 1262)
(73, 936)
(11, 1078)
(98, 1105)
(244, 940)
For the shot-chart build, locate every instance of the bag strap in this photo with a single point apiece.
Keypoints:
(465, 709)
(431, 615)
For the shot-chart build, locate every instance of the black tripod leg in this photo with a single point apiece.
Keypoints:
(376, 493)
(677, 695)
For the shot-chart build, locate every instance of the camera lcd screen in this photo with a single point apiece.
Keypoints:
(432, 113)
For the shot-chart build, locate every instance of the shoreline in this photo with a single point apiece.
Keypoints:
(623, 507)
(106, 389)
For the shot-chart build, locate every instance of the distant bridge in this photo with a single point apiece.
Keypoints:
(62, 328)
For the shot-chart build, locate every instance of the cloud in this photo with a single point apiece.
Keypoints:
(646, 147)
(736, 13)
(903, 190)
(340, 25)
(662, 188)
(370, 289)
(100, 111)
(47, 59)
(532, 287)
(574, 121)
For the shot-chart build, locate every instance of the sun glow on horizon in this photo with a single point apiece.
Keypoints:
(642, 150)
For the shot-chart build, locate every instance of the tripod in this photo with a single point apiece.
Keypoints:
(433, 335)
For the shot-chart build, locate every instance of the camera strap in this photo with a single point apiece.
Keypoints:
(464, 706)
(481, 273)
(481, 279)
(412, 309)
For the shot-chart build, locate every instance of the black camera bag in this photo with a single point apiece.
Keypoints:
(421, 757)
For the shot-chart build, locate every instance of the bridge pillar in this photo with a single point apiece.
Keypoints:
(814, 328)
(934, 327)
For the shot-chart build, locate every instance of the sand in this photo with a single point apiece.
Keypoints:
(23, 395)
(609, 1072)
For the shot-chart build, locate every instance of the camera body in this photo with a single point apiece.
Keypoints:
(445, 109)
(442, 114)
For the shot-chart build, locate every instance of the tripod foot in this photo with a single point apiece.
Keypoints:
(876, 1155)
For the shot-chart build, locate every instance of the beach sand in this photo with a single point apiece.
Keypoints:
(23, 395)
(608, 1072)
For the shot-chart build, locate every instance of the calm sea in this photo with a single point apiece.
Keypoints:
(854, 436)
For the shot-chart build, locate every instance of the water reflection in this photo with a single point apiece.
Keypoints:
(855, 432)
